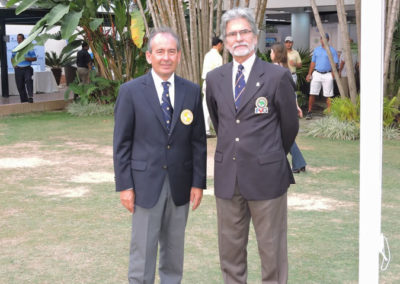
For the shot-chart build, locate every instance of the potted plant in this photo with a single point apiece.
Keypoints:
(56, 62)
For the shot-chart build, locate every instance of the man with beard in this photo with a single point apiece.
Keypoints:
(253, 110)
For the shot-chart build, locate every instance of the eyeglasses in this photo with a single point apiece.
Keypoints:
(242, 33)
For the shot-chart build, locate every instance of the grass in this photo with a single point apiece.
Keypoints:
(61, 221)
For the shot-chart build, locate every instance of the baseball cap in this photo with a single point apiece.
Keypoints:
(289, 38)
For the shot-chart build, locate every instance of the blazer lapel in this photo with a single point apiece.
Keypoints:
(226, 86)
(253, 83)
(178, 101)
(151, 96)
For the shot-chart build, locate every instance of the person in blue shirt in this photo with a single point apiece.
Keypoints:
(24, 74)
(320, 74)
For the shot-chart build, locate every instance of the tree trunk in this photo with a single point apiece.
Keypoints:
(392, 15)
(219, 15)
(349, 64)
(357, 4)
(326, 45)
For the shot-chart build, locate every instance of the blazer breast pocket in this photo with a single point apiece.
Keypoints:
(138, 165)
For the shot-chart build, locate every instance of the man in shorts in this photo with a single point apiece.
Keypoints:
(320, 74)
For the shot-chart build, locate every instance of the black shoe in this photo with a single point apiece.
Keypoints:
(30, 100)
(210, 136)
(303, 169)
(309, 115)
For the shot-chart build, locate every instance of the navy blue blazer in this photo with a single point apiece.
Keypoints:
(144, 152)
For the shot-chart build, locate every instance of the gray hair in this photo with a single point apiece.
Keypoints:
(236, 13)
(163, 30)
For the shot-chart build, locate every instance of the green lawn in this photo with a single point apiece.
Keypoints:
(61, 221)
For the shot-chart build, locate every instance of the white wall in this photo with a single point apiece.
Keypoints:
(50, 45)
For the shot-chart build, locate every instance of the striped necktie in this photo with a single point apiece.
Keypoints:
(240, 85)
(166, 105)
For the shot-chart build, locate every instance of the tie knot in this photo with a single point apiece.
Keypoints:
(240, 68)
(166, 85)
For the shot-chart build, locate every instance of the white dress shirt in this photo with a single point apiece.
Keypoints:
(212, 60)
(247, 65)
(160, 89)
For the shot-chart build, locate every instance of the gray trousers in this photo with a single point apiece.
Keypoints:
(163, 225)
(270, 224)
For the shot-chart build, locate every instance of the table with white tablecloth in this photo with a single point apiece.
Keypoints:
(43, 82)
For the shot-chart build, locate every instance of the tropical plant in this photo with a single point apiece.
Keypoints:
(390, 111)
(345, 110)
(108, 33)
(100, 90)
(332, 128)
(54, 60)
(302, 84)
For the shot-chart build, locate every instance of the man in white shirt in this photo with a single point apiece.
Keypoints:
(254, 115)
(212, 60)
(159, 160)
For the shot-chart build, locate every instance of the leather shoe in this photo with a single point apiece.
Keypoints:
(303, 169)
(30, 100)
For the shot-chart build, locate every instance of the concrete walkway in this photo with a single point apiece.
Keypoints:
(41, 102)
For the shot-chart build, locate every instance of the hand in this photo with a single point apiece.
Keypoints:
(127, 198)
(292, 63)
(195, 197)
(308, 78)
(299, 112)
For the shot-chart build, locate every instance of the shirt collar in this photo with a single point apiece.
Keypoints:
(248, 64)
(157, 80)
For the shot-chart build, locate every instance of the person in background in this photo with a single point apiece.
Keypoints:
(84, 63)
(293, 56)
(253, 111)
(279, 57)
(24, 73)
(160, 155)
(212, 59)
(320, 74)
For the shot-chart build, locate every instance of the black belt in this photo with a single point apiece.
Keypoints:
(23, 67)
(323, 72)
(293, 73)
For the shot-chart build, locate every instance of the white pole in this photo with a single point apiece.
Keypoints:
(372, 41)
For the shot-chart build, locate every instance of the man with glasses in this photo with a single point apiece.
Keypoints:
(254, 113)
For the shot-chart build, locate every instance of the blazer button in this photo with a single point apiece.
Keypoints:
(164, 167)
(168, 147)
(234, 158)
(237, 139)
(237, 121)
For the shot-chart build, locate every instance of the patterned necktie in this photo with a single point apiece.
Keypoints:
(166, 105)
(240, 85)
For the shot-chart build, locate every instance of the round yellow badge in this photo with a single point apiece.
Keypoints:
(186, 116)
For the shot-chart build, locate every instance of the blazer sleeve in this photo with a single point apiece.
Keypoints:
(285, 100)
(211, 103)
(199, 144)
(124, 116)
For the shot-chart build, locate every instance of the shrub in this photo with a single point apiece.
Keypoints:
(391, 133)
(390, 111)
(345, 110)
(332, 128)
(91, 109)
